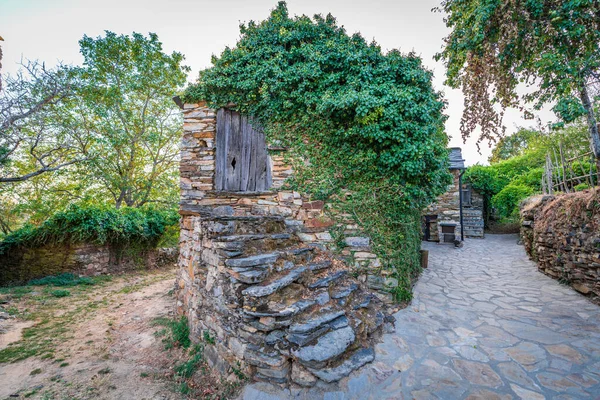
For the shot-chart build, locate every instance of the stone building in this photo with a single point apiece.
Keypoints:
(457, 213)
(255, 272)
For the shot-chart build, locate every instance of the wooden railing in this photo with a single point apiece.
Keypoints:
(564, 171)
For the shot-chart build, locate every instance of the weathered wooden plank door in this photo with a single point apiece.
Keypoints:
(242, 161)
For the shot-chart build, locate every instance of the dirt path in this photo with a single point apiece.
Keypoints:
(96, 343)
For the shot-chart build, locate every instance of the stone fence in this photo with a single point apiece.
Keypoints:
(19, 265)
(562, 234)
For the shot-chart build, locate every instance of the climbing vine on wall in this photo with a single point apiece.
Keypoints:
(355, 120)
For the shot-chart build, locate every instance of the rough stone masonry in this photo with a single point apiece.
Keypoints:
(256, 274)
(562, 234)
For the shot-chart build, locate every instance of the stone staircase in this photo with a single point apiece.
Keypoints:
(289, 313)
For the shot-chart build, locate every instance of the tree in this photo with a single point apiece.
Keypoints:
(1, 40)
(496, 45)
(513, 145)
(127, 87)
(37, 133)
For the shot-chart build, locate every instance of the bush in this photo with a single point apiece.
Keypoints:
(95, 224)
(60, 293)
(531, 178)
(508, 199)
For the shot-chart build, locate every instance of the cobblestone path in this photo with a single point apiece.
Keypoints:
(484, 324)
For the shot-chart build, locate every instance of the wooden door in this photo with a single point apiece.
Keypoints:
(242, 161)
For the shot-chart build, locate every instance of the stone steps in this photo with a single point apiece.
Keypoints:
(355, 361)
(327, 280)
(253, 261)
(316, 334)
(327, 348)
(252, 237)
(313, 322)
(284, 312)
(275, 285)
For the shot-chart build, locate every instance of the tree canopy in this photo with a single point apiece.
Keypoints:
(517, 171)
(363, 127)
(336, 100)
(497, 46)
(127, 83)
(513, 145)
(105, 132)
(36, 130)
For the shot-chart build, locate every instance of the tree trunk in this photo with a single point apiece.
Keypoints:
(592, 126)
(120, 200)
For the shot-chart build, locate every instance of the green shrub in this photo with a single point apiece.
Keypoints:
(66, 279)
(508, 199)
(60, 293)
(96, 224)
(531, 178)
(581, 187)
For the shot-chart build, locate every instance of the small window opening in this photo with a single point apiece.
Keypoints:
(466, 195)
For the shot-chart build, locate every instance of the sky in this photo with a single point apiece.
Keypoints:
(49, 31)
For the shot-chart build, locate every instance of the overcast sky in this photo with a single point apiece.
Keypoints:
(49, 30)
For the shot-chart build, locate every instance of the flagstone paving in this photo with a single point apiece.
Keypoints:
(483, 324)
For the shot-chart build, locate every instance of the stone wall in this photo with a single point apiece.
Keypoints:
(256, 273)
(22, 264)
(562, 234)
(309, 220)
(447, 209)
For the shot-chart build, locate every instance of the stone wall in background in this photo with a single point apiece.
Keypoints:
(22, 264)
(562, 234)
(256, 273)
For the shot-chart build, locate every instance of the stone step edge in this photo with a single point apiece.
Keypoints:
(249, 237)
(284, 281)
(357, 360)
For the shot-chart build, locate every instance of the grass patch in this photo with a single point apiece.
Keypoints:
(175, 333)
(66, 279)
(187, 369)
(61, 293)
(36, 371)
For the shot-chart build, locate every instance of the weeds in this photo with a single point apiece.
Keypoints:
(66, 279)
(176, 333)
(208, 338)
(193, 373)
(187, 369)
(61, 293)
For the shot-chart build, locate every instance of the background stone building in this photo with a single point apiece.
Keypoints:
(442, 219)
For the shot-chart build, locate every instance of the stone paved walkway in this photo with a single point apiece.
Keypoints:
(484, 324)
